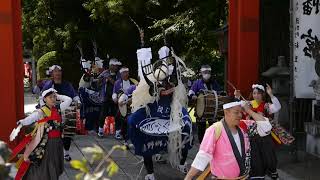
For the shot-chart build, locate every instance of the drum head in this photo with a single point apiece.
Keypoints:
(123, 109)
(200, 106)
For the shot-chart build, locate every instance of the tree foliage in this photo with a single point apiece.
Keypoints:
(57, 25)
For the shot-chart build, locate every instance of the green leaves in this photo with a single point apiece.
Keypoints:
(112, 168)
(79, 176)
(80, 165)
(119, 147)
(58, 25)
(94, 176)
(96, 153)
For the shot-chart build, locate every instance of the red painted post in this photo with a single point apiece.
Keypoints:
(243, 52)
(11, 67)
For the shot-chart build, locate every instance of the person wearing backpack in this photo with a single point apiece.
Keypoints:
(226, 145)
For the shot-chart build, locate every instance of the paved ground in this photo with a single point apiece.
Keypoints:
(290, 168)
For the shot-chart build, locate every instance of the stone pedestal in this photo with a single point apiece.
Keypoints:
(316, 111)
(313, 138)
(283, 115)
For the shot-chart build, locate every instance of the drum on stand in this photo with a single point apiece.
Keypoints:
(70, 118)
(124, 108)
(209, 106)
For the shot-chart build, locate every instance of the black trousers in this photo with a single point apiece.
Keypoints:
(118, 120)
(66, 143)
(263, 157)
(124, 127)
(201, 127)
(148, 163)
(108, 109)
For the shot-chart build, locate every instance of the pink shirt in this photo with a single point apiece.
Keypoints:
(223, 163)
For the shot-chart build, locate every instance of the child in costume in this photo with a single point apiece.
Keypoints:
(263, 156)
(43, 155)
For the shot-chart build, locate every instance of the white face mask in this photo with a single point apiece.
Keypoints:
(206, 76)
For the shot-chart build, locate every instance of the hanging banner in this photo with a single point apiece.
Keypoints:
(306, 17)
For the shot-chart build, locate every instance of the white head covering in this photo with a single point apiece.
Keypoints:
(163, 52)
(230, 105)
(258, 86)
(44, 93)
(205, 68)
(114, 61)
(54, 67)
(233, 104)
(124, 69)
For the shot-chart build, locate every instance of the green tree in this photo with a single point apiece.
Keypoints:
(57, 25)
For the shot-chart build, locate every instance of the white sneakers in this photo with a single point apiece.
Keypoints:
(159, 158)
(101, 133)
(183, 168)
(149, 177)
(118, 135)
(67, 157)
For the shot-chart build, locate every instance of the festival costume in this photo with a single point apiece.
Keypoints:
(228, 154)
(121, 86)
(197, 87)
(264, 159)
(109, 107)
(159, 123)
(43, 155)
(90, 109)
(64, 88)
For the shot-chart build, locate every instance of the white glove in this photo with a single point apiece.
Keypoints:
(19, 122)
(76, 99)
(22, 122)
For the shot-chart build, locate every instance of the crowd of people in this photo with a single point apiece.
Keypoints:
(235, 145)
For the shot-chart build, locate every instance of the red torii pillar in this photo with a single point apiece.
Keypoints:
(11, 67)
(243, 50)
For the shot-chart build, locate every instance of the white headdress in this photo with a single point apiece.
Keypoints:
(54, 67)
(124, 69)
(258, 86)
(205, 68)
(115, 61)
(233, 104)
(44, 94)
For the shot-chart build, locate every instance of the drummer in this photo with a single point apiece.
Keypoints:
(124, 103)
(108, 76)
(64, 88)
(206, 83)
(121, 86)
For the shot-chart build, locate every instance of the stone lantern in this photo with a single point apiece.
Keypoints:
(280, 77)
